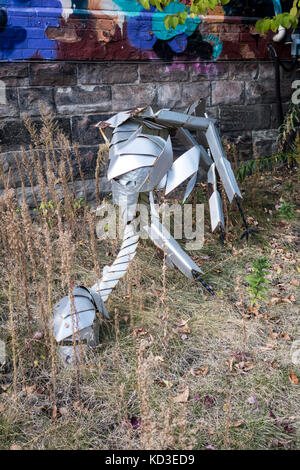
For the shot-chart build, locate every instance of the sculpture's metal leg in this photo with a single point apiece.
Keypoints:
(248, 231)
(221, 235)
(222, 164)
(175, 255)
(215, 203)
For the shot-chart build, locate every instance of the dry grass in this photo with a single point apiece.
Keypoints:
(175, 369)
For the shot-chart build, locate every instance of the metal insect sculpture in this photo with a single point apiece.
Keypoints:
(141, 162)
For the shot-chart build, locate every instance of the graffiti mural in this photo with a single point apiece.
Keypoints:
(23, 27)
(124, 30)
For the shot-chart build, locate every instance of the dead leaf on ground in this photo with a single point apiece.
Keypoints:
(293, 378)
(295, 282)
(268, 347)
(275, 300)
(199, 371)
(280, 335)
(182, 397)
(237, 424)
(146, 337)
(139, 332)
(78, 405)
(253, 311)
(289, 300)
(29, 389)
(15, 447)
(158, 359)
(164, 383)
(242, 366)
(2, 407)
(182, 326)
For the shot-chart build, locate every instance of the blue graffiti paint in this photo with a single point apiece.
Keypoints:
(277, 7)
(217, 44)
(179, 43)
(140, 30)
(132, 8)
(148, 26)
(24, 34)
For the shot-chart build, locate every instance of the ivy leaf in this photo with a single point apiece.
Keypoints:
(145, 4)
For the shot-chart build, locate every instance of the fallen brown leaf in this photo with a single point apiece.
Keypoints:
(15, 447)
(164, 383)
(158, 359)
(182, 326)
(293, 378)
(199, 371)
(184, 330)
(183, 397)
(295, 282)
(245, 366)
(237, 424)
(140, 332)
(29, 389)
(78, 405)
(275, 300)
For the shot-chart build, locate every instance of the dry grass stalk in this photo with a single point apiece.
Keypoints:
(256, 173)
(17, 248)
(228, 417)
(164, 297)
(64, 145)
(117, 334)
(67, 251)
(144, 381)
(49, 272)
(13, 338)
(78, 160)
(130, 297)
(94, 252)
(103, 149)
(243, 311)
(29, 173)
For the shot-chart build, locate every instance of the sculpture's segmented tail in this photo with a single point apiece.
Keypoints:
(114, 272)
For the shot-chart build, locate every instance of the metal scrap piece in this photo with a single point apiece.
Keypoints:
(185, 166)
(116, 120)
(70, 317)
(113, 273)
(173, 119)
(175, 254)
(222, 164)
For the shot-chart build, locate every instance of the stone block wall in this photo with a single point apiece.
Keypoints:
(239, 94)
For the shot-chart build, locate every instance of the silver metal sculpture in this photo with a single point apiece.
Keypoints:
(141, 162)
